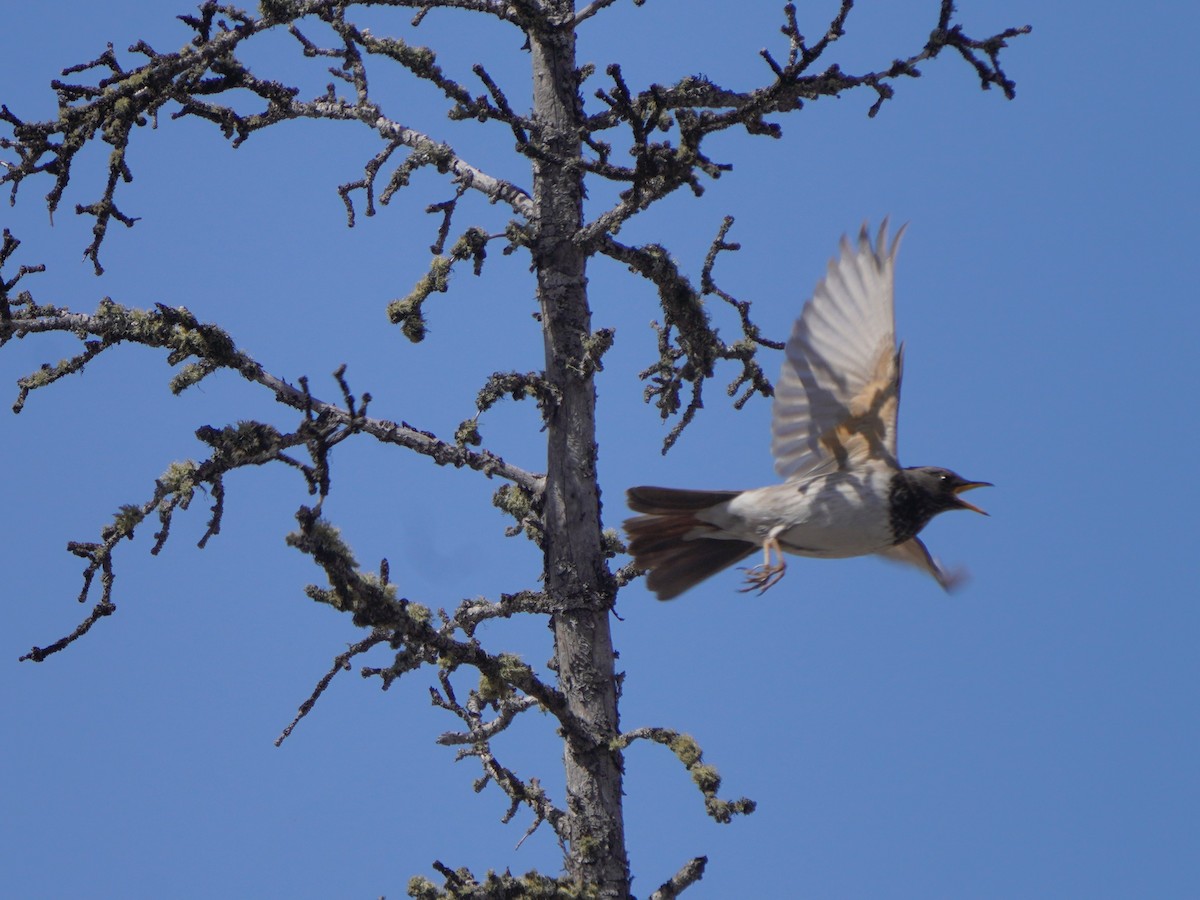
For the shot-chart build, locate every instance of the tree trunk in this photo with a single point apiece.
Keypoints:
(576, 573)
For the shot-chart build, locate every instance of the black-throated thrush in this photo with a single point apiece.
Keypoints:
(834, 443)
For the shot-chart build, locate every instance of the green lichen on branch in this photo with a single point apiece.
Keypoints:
(460, 884)
(408, 311)
(518, 386)
(523, 506)
(594, 347)
(611, 543)
(372, 602)
(497, 687)
(704, 776)
(246, 443)
(173, 329)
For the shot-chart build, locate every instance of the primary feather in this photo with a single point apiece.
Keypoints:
(838, 393)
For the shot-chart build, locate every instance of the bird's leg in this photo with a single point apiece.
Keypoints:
(759, 578)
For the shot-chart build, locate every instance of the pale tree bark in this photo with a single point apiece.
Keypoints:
(577, 575)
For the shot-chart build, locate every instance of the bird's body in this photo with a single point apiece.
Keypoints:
(834, 426)
(831, 516)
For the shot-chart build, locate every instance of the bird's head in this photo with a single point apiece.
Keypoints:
(943, 487)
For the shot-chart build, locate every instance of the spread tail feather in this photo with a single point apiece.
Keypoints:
(660, 501)
(668, 540)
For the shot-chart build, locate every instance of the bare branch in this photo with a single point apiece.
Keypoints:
(112, 108)
(695, 107)
(208, 67)
(485, 731)
(469, 614)
(233, 447)
(596, 6)
(99, 611)
(691, 872)
(179, 331)
(689, 347)
(374, 604)
(792, 85)
(340, 663)
(472, 612)
(505, 11)
(479, 734)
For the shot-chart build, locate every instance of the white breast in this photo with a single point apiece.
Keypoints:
(835, 515)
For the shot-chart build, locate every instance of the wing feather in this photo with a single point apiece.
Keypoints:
(913, 552)
(839, 390)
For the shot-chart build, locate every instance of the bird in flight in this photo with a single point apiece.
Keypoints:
(834, 441)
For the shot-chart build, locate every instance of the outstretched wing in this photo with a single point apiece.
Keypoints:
(915, 553)
(838, 393)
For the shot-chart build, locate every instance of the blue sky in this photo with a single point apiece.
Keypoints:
(1033, 735)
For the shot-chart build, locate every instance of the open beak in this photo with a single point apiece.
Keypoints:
(968, 486)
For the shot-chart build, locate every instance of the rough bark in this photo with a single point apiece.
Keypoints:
(576, 575)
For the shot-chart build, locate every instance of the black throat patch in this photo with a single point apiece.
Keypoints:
(910, 508)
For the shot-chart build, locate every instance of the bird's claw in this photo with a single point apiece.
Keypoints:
(761, 577)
